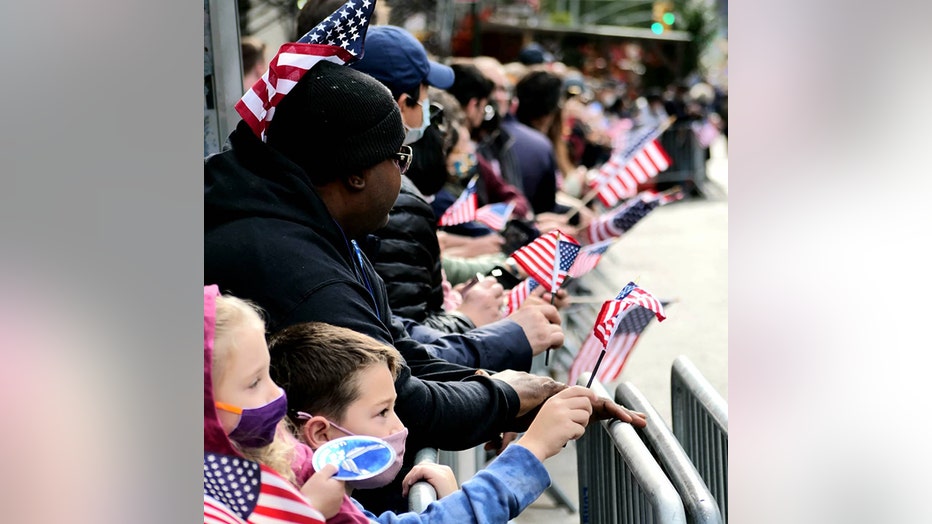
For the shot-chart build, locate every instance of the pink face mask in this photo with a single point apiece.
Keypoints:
(395, 440)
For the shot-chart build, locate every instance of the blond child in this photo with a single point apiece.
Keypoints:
(244, 409)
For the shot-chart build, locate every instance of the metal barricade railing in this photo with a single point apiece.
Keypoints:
(686, 154)
(701, 507)
(422, 493)
(619, 480)
(700, 423)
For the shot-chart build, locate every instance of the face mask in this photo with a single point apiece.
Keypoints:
(413, 135)
(256, 426)
(465, 169)
(397, 442)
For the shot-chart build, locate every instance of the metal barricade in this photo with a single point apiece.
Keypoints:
(619, 480)
(686, 154)
(700, 505)
(422, 493)
(700, 423)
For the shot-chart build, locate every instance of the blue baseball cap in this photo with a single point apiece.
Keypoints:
(394, 57)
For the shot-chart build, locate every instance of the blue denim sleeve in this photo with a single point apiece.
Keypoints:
(495, 494)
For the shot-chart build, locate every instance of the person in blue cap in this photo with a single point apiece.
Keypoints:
(398, 60)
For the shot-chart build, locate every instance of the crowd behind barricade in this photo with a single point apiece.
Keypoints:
(362, 241)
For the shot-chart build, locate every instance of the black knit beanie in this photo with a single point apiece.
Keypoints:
(335, 122)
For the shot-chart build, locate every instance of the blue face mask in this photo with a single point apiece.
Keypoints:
(413, 135)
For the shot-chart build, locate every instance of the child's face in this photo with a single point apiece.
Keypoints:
(373, 413)
(245, 380)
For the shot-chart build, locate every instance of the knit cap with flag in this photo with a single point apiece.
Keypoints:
(336, 120)
(325, 118)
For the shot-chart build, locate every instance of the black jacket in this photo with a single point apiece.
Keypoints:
(408, 260)
(268, 237)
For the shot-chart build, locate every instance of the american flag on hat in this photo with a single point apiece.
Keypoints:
(338, 38)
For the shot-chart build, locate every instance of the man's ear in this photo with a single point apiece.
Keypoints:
(356, 182)
(314, 432)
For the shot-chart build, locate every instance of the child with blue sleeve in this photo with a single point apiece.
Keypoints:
(340, 383)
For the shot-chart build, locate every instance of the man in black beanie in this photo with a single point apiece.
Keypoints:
(282, 220)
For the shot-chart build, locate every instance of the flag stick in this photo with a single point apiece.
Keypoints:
(595, 191)
(596, 368)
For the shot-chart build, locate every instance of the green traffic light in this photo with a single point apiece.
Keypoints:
(669, 18)
(656, 27)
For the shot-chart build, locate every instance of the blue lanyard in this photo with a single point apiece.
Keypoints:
(365, 277)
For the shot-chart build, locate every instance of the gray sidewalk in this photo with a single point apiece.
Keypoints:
(678, 252)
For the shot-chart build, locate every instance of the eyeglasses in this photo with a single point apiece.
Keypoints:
(403, 158)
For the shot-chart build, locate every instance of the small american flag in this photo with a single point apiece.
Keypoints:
(239, 490)
(338, 39)
(464, 209)
(518, 294)
(642, 160)
(630, 296)
(665, 197)
(630, 326)
(548, 258)
(615, 223)
(589, 257)
(495, 215)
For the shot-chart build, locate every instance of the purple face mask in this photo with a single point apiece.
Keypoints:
(256, 426)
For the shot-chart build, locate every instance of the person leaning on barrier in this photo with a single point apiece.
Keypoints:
(282, 221)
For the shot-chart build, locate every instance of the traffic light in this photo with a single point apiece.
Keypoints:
(663, 17)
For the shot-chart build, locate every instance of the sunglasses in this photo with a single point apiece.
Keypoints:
(403, 158)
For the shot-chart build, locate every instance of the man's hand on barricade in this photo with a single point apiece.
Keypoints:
(541, 324)
(533, 390)
(603, 408)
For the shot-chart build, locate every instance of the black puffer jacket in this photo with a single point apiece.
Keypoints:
(408, 260)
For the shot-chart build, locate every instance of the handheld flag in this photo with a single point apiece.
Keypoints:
(338, 39)
(240, 490)
(589, 257)
(630, 296)
(548, 258)
(619, 177)
(495, 215)
(518, 294)
(615, 223)
(609, 321)
(630, 326)
(463, 209)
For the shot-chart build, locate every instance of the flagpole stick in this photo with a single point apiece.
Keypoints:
(596, 368)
